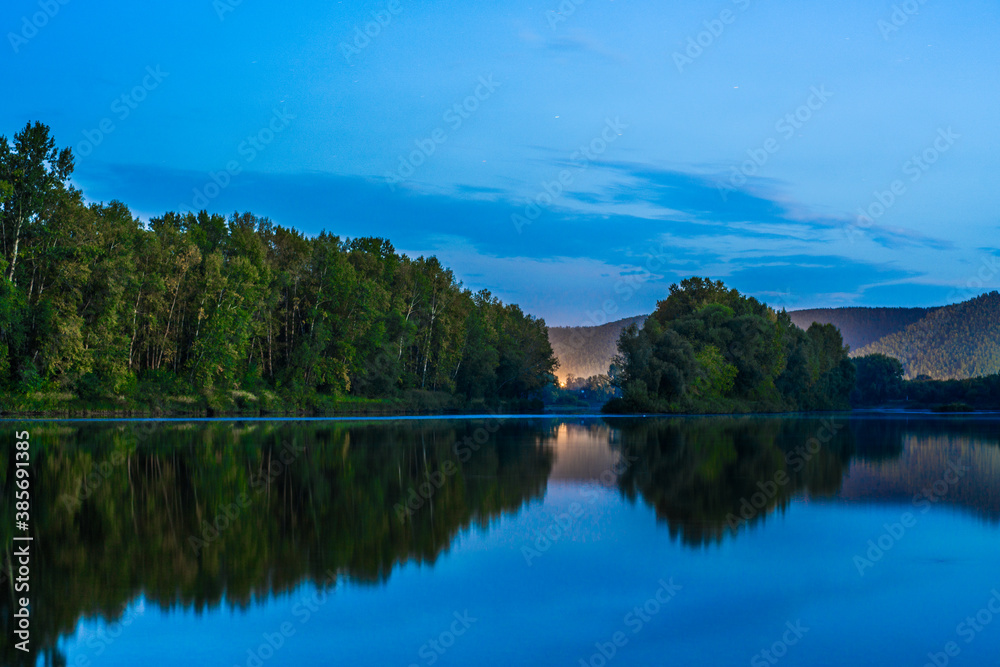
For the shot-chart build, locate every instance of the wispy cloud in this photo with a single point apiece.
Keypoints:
(572, 41)
(766, 246)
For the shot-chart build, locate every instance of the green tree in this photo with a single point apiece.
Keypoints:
(197, 311)
(879, 379)
(707, 348)
(36, 174)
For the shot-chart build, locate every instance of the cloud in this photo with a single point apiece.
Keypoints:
(578, 251)
(760, 208)
(572, 41)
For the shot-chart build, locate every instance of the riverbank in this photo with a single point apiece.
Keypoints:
(263, 404)
(408, 404)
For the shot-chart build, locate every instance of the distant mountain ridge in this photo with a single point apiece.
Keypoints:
(953, 342)
(861, 326)
(948, 342)
(587, 351)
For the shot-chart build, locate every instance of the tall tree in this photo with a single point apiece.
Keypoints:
(36, 173)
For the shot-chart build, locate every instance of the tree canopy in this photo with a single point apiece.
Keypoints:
(201, 311)
(708, 348)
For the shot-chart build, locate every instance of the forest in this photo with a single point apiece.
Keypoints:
(880, 383)
(205, 314)
(956, 342)
(709, 349)
(575, 394)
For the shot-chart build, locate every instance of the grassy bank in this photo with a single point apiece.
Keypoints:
(248, 404)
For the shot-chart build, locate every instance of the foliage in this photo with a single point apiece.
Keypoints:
(710, 349)
(879, 379)
(957, 341)
(980, 393)
(203, 313)
(701, 475)
(595, 390)
(880, 383)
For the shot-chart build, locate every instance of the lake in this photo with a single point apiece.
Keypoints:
(857, 539)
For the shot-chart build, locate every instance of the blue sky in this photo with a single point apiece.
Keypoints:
(734, 139)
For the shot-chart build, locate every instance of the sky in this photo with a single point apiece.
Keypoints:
(573, 156)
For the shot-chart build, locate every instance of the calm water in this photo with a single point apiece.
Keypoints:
(690, 541)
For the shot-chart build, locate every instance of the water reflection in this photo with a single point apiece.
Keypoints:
(913, 462)
(710, 477)
(196, 512)
(193, 514)
(706, 477)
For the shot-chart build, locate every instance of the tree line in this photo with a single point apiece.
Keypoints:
(880, 383)
(587, 351)
(205, 312)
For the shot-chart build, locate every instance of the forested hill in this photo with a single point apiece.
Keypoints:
(948, 342)
(953, 342)
(861, 326)
(203, 312)
(587, 351)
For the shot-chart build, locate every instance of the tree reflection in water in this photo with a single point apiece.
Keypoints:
(195, 515)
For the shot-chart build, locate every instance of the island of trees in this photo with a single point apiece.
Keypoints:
(709, 349)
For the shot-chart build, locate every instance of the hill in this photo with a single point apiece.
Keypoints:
(949, 342)
(861, 326)
(587, 351)
(953, 342)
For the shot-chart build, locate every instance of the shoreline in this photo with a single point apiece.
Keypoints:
(286, 417)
